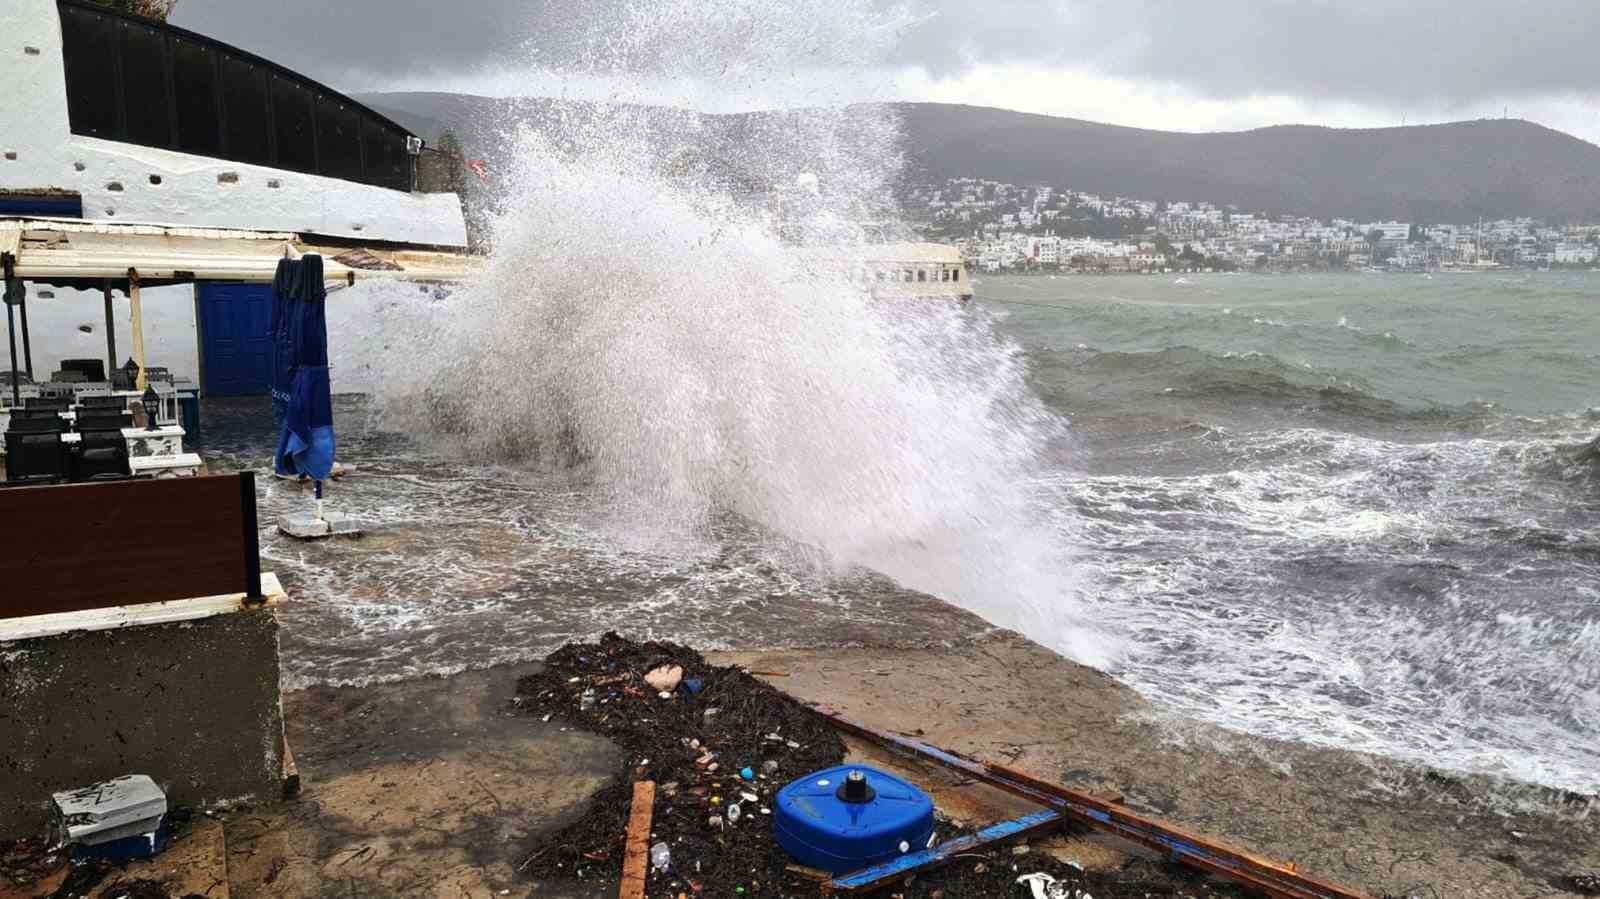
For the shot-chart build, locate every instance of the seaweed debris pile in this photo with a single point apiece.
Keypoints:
(31, 869)
(719, 743)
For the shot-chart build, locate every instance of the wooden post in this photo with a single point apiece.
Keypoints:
(138, 327)
(111, 330)
(636, 854)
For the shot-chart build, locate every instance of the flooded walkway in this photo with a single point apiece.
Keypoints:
(465, 566)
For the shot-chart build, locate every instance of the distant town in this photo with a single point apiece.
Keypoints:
(1003, 227)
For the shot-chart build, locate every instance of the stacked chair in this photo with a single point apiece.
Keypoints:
(102, 453)
(34, 451)
(36, 454)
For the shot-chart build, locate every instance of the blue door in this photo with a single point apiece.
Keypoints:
(236, 329)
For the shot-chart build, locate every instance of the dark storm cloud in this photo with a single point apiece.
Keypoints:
(1383, 51)
(1388, 52)
(371, 41)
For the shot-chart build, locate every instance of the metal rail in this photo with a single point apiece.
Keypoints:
(1276, 879)
(942, 854)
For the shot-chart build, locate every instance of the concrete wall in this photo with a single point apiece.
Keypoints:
(34, 129)
(193, 705)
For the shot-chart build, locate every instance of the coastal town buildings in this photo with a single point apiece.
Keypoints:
(1009, 227)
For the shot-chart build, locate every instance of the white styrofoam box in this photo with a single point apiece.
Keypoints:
(107, 811)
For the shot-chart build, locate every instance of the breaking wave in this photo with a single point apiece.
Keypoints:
(680, 339)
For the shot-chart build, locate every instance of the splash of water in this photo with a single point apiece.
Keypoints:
(641, 319)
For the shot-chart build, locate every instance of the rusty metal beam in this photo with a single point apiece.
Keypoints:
(1281, 881)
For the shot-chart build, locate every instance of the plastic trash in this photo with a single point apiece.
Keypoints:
(1046, 887)
(747, 774)
(587, 702)
(665, 678)
(661, 856)
(733, 813)
(693, 685)
(769, 766)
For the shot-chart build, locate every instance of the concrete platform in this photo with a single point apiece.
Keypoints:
(1370, 823)
(432, 787)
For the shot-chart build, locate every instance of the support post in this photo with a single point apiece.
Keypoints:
(27, 342)
(11, 332)
(111, 329)
(252, 539)
(138, 327)
(7, 267)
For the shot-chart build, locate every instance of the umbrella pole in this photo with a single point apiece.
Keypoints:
(138, 327)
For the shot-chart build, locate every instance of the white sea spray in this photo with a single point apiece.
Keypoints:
(659, 311)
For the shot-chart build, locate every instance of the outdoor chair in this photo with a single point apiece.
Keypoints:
(47, 423)
(35, 457)
(103, 402)
(104, 420)
(90, 369)
(53, 403)
(39, 415)
(102, 455)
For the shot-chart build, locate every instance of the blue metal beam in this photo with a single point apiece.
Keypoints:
(1277, 880)
(880, 875)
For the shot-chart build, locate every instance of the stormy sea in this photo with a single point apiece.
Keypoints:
(1350, 510)
(1354, 510)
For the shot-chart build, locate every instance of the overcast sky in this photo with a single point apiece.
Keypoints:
(1174, 64)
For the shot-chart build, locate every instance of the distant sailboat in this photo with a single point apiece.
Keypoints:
(1479, 264)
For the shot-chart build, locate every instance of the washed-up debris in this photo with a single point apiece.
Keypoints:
(1043, 886)
(665, 679)
(1586, 884)
(36, 868)
(719, 841)
(131, 806)
(708, 822)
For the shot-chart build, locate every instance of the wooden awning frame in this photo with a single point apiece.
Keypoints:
(74, 252)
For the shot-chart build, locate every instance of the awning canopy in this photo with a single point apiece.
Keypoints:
(73, 250)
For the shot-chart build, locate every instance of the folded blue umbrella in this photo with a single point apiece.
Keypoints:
(301, 398)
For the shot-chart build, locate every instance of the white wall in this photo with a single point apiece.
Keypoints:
(53, 326)
(357, 319)
(34, 129)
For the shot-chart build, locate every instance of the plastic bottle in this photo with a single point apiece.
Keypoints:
(660, 856)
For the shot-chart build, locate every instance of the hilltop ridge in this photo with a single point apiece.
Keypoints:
(1453, 172)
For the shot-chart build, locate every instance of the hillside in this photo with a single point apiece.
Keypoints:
(1454, 172)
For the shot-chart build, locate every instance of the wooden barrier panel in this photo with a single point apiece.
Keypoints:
(102, 545)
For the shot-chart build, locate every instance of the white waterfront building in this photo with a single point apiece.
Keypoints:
(137, 121)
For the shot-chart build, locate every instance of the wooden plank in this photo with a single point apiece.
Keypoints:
(35, 626)
(883, 875)
(121, 543)
(636, 855)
